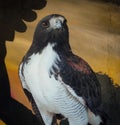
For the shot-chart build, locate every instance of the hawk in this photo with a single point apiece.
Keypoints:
(56, 81)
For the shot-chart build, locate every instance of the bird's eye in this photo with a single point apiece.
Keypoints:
(45, 24)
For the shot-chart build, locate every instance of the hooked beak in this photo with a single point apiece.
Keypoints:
(56, 22)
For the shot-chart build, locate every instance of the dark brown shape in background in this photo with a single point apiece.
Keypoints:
(12, 14)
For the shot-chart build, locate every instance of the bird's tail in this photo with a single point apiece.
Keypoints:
(100, 118)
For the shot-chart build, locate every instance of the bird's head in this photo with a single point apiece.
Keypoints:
(52, 29)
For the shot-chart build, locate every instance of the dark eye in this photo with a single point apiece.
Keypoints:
(45, 24)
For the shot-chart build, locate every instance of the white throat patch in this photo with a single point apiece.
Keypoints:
(46, 58)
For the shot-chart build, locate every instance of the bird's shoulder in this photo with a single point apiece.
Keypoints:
(78, 64)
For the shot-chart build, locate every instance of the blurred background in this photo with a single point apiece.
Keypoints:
(94, 28)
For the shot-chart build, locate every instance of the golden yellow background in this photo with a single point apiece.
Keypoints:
(94, 35)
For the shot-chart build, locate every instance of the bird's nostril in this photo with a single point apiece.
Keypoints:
(57, 21)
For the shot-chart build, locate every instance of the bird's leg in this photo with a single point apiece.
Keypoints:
(47, 117)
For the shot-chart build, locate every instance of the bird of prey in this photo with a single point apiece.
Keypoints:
(56, 81)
